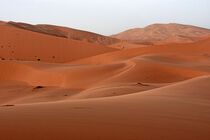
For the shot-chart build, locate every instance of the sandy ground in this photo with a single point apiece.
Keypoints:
(179, 111)
(92, 92)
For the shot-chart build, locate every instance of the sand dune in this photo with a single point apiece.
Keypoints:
(128, 45)
(179, 111)
(200, 47)
(66, 32)
(57, 75)
(19, 44)
(63, 87)
(157, 32)
(181, 39)
(111, 74)
(2, 22)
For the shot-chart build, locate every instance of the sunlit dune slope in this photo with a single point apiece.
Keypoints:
(110, 74)
(198, 48)
(19, 44)
(66, 32)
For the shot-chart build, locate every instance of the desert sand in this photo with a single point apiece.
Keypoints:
(164, 34)
(54, 87)
(66, 32)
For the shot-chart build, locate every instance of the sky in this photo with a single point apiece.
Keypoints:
(106, 17)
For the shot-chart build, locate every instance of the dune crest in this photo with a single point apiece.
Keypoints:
(66, 32)
(20, 44)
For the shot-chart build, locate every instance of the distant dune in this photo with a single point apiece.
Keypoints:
(182, 39)
(2, 22)
(158, 32)
(67, 33)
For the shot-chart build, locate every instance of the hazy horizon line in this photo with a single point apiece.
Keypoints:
(163, 23)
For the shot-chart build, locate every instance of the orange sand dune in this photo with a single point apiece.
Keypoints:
(179, 111)
(200, 47)
(127, 45)
(67, 33)
(65, 77)
(158, 32)
(110, 74)
(17, 92)
(2, 22)
(19, 44)
(108, 78)
(57, 75)
(54, 87)
(83, 35)
(181, 39)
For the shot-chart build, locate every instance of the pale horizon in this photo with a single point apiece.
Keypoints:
(107, 17)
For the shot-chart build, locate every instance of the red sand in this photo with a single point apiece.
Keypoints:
(67, 33)
(19, 44)
(96, 92)
(172, 112)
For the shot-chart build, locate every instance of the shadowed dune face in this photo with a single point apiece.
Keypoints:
(165, 33)
(65, 32)
(82, 35)
(38, 29)
(19, 44)
(54, 87)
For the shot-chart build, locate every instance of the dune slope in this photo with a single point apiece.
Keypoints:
(157, 32)
(179, 111)
(66, 32)
(54, 87)
(19, 44)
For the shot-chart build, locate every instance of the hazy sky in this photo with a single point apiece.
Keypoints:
(106, 16)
